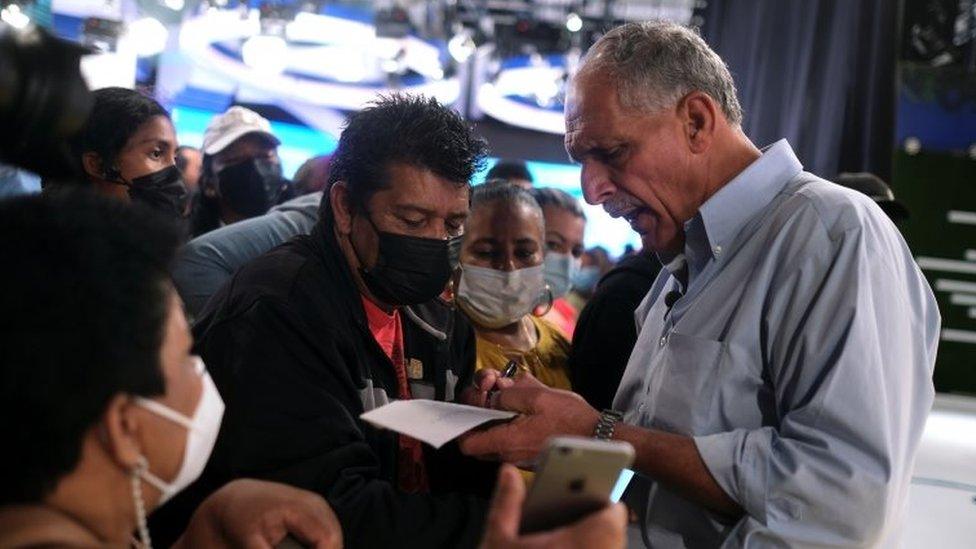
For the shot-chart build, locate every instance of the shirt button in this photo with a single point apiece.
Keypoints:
(640, 407)
(663, 341)
(718, 250)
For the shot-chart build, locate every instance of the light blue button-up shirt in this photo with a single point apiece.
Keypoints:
(209, 260)
(799, 358)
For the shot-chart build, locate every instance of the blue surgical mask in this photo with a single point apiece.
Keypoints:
(561, 270)
(586, 278)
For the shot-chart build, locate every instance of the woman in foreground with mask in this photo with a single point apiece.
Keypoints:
(503, 283)
(127, 149)
(105, 412)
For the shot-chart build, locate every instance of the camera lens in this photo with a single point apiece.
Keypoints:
(43, 100)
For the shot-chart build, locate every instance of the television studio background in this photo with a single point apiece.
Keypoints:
(880, 86)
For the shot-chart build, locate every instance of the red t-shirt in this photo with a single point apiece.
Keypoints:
(387, 330)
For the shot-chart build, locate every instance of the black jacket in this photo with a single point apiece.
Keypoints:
(288, 346)
(606, 332)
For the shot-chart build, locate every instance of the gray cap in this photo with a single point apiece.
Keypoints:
(237, 122)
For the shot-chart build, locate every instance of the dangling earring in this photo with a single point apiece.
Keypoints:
(449, 291)
(140, 505)
(549, 302)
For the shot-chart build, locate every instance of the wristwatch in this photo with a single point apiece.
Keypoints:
(604, 427)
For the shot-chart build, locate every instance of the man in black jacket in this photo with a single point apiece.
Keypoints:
(306, 337)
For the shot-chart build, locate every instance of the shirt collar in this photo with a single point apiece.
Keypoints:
(376, 317)
(724, 214)
(677, 265)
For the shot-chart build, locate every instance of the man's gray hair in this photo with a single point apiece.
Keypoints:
(656, 63)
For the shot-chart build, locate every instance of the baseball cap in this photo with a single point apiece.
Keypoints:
(226, 128)
(877, 190)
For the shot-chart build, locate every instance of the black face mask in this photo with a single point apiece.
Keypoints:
(410, 270)
(251, 187)
(163, 191)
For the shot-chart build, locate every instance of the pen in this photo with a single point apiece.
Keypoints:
(510, 370)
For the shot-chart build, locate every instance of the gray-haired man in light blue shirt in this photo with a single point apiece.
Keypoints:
(781, 378)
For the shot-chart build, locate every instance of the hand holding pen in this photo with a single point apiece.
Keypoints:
(508, 373)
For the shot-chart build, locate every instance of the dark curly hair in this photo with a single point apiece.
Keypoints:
(409, 129)
(86, 289)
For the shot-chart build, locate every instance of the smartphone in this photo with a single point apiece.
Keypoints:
(575, 477)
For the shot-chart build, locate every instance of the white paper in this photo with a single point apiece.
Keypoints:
(431, 421)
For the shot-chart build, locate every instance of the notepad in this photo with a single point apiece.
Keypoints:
(432, 421)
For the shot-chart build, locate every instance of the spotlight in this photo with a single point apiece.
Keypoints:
(148, 36)
(14, 17)
(546, 92)
(265, 54)
(396, 64)
(461, 47)
(574, 23)
(913, 145)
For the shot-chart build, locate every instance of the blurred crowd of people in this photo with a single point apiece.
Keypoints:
(180, 321)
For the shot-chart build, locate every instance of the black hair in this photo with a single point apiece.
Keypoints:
(500, 190)
(85, 303)
(116, 115)
(410, 129)
(548, 196)
(509, 170)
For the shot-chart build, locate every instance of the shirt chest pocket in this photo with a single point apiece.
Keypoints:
(683, 388)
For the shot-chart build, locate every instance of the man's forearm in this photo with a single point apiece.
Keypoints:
(674, 461)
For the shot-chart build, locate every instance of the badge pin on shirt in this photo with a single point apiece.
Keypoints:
(415, 369)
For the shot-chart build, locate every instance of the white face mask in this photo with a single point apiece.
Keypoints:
(493, 298)
(202, 432)
(560, 270)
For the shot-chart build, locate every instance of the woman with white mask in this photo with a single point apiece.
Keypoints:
(502, 284)
(106, 414)
(565, 226)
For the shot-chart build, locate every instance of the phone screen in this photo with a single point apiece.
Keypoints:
(622, 481)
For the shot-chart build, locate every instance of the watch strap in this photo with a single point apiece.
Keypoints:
(605, 425)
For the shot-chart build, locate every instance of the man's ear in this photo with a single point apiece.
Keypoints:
(700, 113)
(120, 430)
(341, 205)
